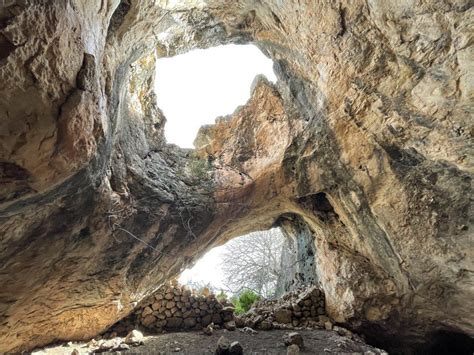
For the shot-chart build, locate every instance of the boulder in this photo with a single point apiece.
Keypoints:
(293, 350)
(223, 345)
(235, 348)
(293, 338)
(135, 337)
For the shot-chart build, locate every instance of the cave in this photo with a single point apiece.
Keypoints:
(361, 152)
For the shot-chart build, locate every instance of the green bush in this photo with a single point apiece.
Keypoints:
(244, 301)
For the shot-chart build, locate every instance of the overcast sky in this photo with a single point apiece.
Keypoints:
(207, 270)
(195, 88)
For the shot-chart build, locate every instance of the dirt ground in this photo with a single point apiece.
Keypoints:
(264, 342)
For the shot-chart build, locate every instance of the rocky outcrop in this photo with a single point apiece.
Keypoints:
(367, 138)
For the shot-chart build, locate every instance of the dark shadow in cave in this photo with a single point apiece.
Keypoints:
(447, 343)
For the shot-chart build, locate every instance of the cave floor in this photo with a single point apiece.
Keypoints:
(264, 342)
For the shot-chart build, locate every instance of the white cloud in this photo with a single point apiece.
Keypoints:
(195, 88)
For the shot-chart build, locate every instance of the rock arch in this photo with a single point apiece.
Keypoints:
(96, 210)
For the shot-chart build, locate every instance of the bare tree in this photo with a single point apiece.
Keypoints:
(253, 262)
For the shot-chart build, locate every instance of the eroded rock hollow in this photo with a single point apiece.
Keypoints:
(364, 144)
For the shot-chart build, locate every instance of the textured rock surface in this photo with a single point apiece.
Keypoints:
(367, 137)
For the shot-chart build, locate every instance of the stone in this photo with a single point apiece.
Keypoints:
(209, 330)
(148, 320)
(189, 322)
(293, 338)
(205, 291)
(235, 348)
(223, 345)
(135, 337)
(216, 318)
(206, 320)
(248, 330)
(293, 350)
(230, 325)
(174, 322)
(147, 311)
(284, 316)
(110, 344)
(266, 325)
(239, 322)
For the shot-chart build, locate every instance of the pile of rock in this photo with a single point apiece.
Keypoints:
(178, 307)
(304, 307)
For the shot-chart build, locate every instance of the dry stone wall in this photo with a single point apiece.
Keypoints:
(178, 307)
(303, 307)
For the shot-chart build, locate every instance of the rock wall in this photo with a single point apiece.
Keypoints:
(367, 137)
(297, 259)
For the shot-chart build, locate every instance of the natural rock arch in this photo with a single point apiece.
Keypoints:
(355, 115)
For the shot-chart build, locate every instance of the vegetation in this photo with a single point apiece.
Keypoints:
(244, 301)
(199, 168)
(253, 262)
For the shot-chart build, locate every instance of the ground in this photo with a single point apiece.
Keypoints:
(264, 342)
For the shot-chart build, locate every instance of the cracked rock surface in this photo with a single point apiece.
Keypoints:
(366, 138)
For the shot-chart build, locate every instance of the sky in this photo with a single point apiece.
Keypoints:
(206, 270)
(195, 88)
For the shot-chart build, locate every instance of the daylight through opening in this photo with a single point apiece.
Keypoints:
(195, 88)
(248, 263)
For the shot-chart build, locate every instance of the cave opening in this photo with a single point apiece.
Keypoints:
(196, 87)
(249, 263)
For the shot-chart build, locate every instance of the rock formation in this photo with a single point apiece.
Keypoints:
(366, 138)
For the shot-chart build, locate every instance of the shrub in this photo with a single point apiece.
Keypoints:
(244, 301)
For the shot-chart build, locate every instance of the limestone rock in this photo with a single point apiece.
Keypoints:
(364, 145)
(135, 337)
